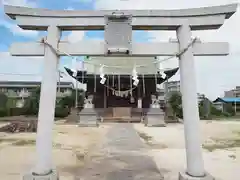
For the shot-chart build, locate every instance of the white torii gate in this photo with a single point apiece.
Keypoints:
(182, 21)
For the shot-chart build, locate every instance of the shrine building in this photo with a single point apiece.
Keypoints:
(111, 87)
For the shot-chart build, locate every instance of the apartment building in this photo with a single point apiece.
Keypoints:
(232, 93)
(22, 89)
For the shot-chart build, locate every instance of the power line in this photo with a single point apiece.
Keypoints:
(61, 73)
(20, 74)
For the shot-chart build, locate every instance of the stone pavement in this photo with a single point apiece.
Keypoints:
(123, 156)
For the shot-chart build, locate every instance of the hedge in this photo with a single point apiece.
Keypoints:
(17, 111)
(62, 112)
(59, 112)
(3, 112)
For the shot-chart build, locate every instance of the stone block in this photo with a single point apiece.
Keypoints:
(185, 176)
(155, 118)
(53, 175)
(88, 118)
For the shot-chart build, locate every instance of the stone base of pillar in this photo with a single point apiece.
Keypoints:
(185, 176)
(88, 118)
(155, 118)
(51, 176)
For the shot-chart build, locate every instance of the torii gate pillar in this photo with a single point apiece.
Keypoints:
(47, 104)
(194, 157)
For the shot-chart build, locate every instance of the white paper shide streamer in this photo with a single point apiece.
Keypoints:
(135, 77)
(102, 75)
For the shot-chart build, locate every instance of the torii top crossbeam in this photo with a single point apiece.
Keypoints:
(198, 18)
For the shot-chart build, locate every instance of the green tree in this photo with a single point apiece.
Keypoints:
(175, 102)
(3, 100)
(32, 102)
(67, 101)
(3, 105)
(229, 109)
(70, 101)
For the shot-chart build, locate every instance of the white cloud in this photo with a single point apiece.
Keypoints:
(16, 30)
(156, 4)
(82, 1)
(25, 3)
(23, 68)
(13, 27)
(214, 74)
(11, 67)
(69, 9)
(75, 36)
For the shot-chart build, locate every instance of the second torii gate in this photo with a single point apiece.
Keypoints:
(182, 21)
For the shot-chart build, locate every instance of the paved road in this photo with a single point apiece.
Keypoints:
(123, 157)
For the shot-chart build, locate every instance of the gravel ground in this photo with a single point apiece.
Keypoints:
(122, 156)
(221, 148)
(71, 149)
(116, 151)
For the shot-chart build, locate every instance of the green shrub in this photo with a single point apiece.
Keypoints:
(226, 114)
(179, 112)
(175, 102)
(201, 111)
(31, 106)
(17, 111)
(11, 102)
(215, 111)
(229, 109)
(3, 112)
(61, 112)
(3, 101)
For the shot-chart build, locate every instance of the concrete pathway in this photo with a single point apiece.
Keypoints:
(123, 156)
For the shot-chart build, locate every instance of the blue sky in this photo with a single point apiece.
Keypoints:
(214, 74)
(10, 33)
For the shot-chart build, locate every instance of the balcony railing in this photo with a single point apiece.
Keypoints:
(25, 94)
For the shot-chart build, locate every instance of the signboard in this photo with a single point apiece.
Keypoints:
(118, 34)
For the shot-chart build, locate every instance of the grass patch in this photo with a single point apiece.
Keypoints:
(18, 142)
(222, 144)
(80, 156)
(24, 142)
(7, 140)
(237, 132)
(148, 140)
(145, 137)
(62, 132)
(224, 118)
(57, 145)
(158, 146)
(232, 156)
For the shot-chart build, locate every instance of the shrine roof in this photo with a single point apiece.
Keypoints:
(228, 100)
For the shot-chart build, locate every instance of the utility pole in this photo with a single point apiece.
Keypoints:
(76, 94)
(166, 90)
(59, 79)
(235, 106)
